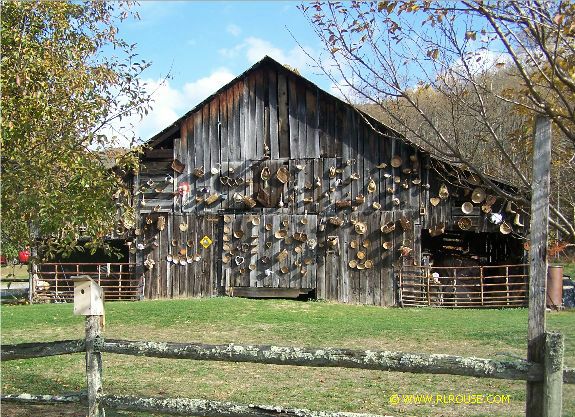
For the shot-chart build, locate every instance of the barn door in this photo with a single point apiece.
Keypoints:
(269, 251)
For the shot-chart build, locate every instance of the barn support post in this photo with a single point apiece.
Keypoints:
(94, 365)
(538, 259)
(553, 374)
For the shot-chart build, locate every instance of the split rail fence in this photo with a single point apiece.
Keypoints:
(550, 373)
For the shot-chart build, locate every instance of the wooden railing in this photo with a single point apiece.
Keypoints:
(550, 372)
(464, 287)
(118, 280)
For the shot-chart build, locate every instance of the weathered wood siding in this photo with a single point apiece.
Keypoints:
(232, 146)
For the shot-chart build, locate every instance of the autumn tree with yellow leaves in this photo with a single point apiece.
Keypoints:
(67, 77)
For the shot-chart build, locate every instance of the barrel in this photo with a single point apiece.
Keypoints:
(555, 287)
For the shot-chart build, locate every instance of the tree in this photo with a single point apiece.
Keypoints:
(67, 77)
(463, 79)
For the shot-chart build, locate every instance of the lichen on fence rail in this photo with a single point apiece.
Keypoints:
(328, 357)
(186, 406)
(42, 349)
(333, 357)
(44, 399)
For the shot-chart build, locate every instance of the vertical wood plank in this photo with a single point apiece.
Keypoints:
(339, 142)
(224, 138)
(293, 119)
(244, 117)
(301, 140)
(260, 134)
(538, 258)
(283, 117)
(273, 113)
(214, 148)
(322, 118)
(252, 141)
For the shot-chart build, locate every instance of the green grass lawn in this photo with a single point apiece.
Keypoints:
(482, 333)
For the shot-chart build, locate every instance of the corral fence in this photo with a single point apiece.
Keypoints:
(500, 286)
(550, 374)
(54, 281)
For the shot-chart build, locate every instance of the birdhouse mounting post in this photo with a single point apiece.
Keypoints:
(89, 302)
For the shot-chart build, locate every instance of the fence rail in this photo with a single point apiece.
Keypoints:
(278, 355)
(332, 357)
(550, 373)
(464, 286)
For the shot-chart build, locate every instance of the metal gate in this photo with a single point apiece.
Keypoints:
(464, 287)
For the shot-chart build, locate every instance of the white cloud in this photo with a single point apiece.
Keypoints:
(257, 48)
(233, 30)
(169, 104)
(196, 91)
(254, 49)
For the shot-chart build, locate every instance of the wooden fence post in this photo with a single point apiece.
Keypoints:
(94, 366)
(553, 375)
(538, 259)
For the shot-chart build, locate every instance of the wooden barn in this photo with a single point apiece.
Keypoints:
(272, 187)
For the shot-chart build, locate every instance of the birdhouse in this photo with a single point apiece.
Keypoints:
(88, 297)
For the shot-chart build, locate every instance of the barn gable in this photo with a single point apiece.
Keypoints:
(272, 186)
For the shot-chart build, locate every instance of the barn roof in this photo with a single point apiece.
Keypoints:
(371, 112)
(175, 126)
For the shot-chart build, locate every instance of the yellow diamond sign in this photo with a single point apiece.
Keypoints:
(206, 242)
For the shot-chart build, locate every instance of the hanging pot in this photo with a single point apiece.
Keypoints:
(161, 223)
(467, 207)
(464, 223)
(280, 234)
(332, 172)
(434, 201)
(343, 203)
(199, 172)
(505, 228)
(282, 255)
(478, 195)
(300, 237)
(360, 228)
(336, 221)
(443, 192)
(265, 173)
(371, 186)
(396, 161)
(282, 175)
(249, 201)
(211, 199)
(388, 227)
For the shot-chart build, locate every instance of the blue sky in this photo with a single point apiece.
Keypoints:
(203, 45)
